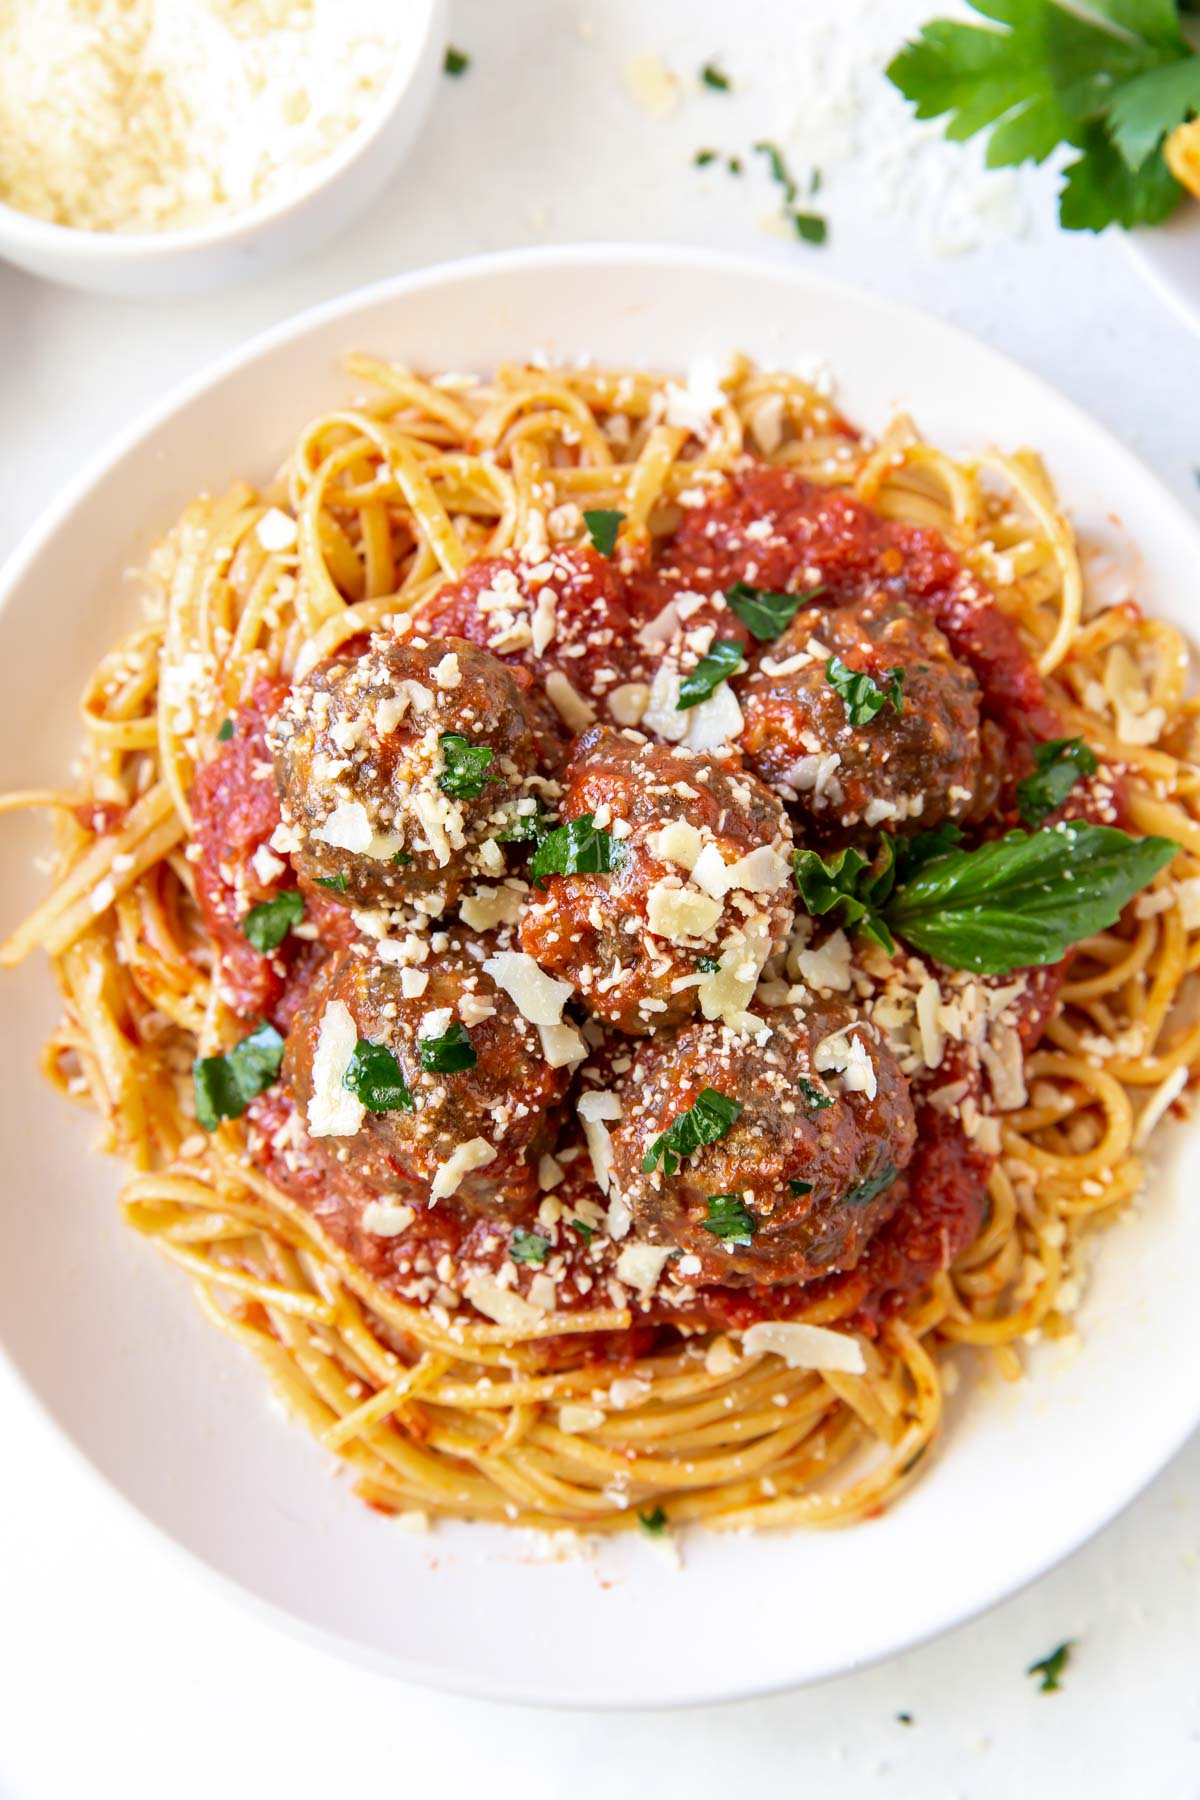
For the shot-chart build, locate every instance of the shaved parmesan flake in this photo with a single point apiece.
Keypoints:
(333, 1111)
(276, 530)
(537, 996)
(727, 992)
(628, 1390)
(447, 674)
(545, 621)
(716, 721)
(575, 712)
(501, 1304)
(562, 1046)
(680, 843)
(413, 1520)
(383, 1218)
(652, 85)
(691, 408)
(1163, 1097)
(806, 1346)
(573, 1419)
(628, 703)
(640, 1265)
(674, 912)
(475, 1154)
(348, 827)
(595, 1107)
(848, 1057)
(828, 966)
(722, 1357)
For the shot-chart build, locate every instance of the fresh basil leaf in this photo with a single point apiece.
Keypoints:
(225, 1085)
(764, 614)
(850, 886)
(577, 848)
(1058, 765)
(265, 926)
(528, 1247)
(714, 77)
(861, 693)
(337, 882)
(464, 767)
(729, 1220)
(923, 846)
(602, 527)
(584, 1231)
(1051, 1667)
(706, 1120)
(1024, 899)
(225, 731)
(871, 1188)
(724, 659)
(797, 1187)
(653, 1523)
(448, 1054)
(376, 1078)
(815, 1098)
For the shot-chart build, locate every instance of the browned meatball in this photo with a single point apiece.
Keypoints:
(905, 769)
(804, 1175)
(398, 770)
(501, 1103)
(702, 878)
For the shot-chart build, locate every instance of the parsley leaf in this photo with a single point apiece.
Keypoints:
(810, 226)
(871, 1188)
(225, 731)
(448, 1054)
(862, 694)
(456, 62)
(815, 1098)
(225, 1085)
(797, 1187)
(1051, 1667)
(375, 1077)
(765, 615)
(729, 1220)
(702, 158)
(780, 173)
(708, 965)
(706, 1120)
(464, 767)
(337, 882)
(602, 527)
(266, 925)
(849, 885)
(1024, 899)
(724, 659)
(528, 1247)
(714, 77)
(1100, 189)
(584, 1231)
(653, 1523)
(577, 848)
(1058, 765)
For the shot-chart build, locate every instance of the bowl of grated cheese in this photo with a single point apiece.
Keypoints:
(155, 147)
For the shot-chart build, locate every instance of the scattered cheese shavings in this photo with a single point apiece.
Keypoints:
(501, 1305)
(806, 1346)
(276, 530)
(575, 1419)
(640, 1265)
(385, 1219)
(333, 1111)
(476, 1153)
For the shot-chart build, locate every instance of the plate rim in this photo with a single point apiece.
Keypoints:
(602, 256)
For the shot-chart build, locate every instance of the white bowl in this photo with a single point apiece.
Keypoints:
(153, 264)
(175, 1416)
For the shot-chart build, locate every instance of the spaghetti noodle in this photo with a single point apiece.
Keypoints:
(603, 1412)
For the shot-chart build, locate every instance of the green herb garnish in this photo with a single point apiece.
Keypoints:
(849, 885)
(584, 1231)
(1058, 765)
(862, 694)
(706, 1120)
(716, 78)
(225, 731)
(602, 527)
(764, 614)
(522, 828)
(266, 925)
(464, 768)
(815, 1098)
(723, 659)
(1110, 81)
(904, 1718)
(337, 882)
(780, 173)
(702, 158)
(374, 1076)
(402, 858)
(653, 1523)
(797, 1187)
(448, 1054)
(729, 1220)
(528, 1247)
(810, 227)
(1051, 1667)
(871, 1188)
(579, 847)
(455, 62)
(708, 965)
(225, 1085)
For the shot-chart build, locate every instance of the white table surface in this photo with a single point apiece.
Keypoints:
(117, 1662)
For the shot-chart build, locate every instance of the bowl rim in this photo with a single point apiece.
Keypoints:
(1090, 1519)
(122, 249)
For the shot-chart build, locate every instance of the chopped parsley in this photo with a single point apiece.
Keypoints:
(734, 165)
(706, 1120)
(1110, 80)
(702, 158)
(905, 1718)
(810, 227)
(780, 173)
(862, 694)
(455, 62)
(1058, 765)
(528, 1247)
(225, 731)
(579, 847)
(522, 828)
(871, 1188)
(448, 1054)
(724, 659)
(375, 1077)
(602, 527)
(265, 926)
(797, 1187)
(464, 768)
(715, 78)
(584, 1231)
(653, 1523)
(225, 1085)
(764, 614)
(403, 857)
(729, 1220)
(815, 1098)
(337, 882)
(708, 965)
(1051, 1667)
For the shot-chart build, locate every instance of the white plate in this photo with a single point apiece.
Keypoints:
(1169, 257)
(176, 1417)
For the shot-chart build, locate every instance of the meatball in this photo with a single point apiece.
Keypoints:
(398, 771)
(805, 1174)
(502, 1102)
(701, 877)
(923, 757)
